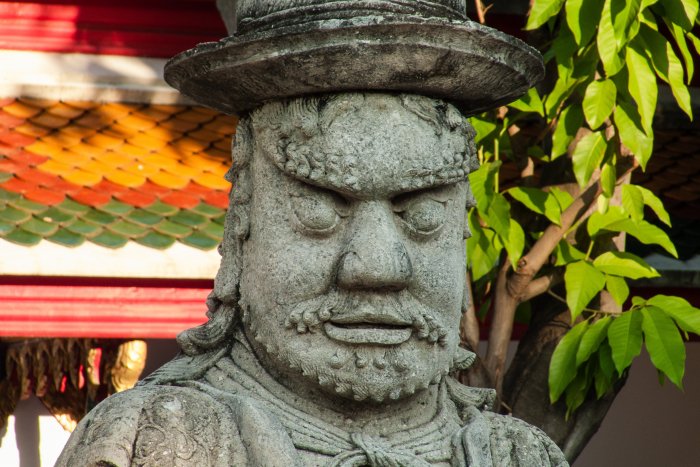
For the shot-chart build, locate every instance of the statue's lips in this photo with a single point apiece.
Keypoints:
(368, 333)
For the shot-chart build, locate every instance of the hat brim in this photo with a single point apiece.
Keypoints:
(475, 67)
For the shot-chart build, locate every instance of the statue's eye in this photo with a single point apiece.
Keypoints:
(315, 213)
(424, 216)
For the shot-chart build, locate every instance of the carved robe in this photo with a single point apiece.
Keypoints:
(225, 416)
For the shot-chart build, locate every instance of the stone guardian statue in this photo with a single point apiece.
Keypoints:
(333, 325)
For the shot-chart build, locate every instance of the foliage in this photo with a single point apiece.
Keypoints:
(593, 118)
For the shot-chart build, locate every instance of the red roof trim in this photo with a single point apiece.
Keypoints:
(99, 311)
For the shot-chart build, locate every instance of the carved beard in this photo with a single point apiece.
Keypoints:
(360, 372)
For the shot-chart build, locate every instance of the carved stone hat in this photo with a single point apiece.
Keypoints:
(288, 48)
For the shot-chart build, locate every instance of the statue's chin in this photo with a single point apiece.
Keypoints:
(367, 373)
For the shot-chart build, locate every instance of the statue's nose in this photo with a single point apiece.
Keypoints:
(375, 257)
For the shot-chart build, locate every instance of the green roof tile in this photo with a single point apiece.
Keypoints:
(220, 219)
(23, 237)
(4, 177)
(66, 238)
(56, 215)
(155, 240)
(188, 218)
(39, 227)
(13, 215)
(81, 227)
(128, 229)
(116, 208)
(171, 228)
(213, 230)
(99, 217)
(26, 205)
(207, 210)
(143, 217)
(70, 206)
(110, 239)
(8, 195)
(201, 241)
(162, 209)
(6, 227)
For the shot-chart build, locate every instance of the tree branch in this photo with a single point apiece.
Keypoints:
(541, 285)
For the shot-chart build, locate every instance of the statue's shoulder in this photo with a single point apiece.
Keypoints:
(154, 425)
(488, 438)
(515, 442)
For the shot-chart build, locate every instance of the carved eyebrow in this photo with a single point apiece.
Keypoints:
(441, 193)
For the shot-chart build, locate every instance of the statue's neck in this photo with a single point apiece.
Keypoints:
(379, 419)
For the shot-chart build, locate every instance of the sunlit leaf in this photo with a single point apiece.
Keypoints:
(607, 42)
(592, 338)
(570, 120)
(624, 264)
(632, 133)
(541, 11)
(633, 201)
(686, 316)
(598, 102)
(642, 84)
(562, 367)
(664, 343)
(618, 289)
(566, 253)
(583, 282)
(625, 338)
(587, 156)
(582, 17)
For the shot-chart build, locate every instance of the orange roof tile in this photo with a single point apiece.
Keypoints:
(102, 167)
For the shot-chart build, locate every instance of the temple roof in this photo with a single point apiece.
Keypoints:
(111, 173)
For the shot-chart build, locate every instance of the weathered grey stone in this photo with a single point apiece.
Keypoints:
(289, 48)
(333, 322)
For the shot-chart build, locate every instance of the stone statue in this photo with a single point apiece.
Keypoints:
(333, 324)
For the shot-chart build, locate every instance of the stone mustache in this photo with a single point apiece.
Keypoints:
(333, 324)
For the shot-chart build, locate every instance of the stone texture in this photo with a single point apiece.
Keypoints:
(333, 322)
(303, 47)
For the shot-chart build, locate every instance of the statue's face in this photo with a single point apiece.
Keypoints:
(354, 269)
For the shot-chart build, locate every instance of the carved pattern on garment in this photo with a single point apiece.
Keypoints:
(171, 429)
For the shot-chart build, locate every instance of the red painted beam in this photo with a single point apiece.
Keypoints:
(99, 311)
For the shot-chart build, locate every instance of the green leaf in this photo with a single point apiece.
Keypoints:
(484, 127)
(632, 134)
(598, 102)
(530, 102)
(646, 233)
(582, 17)
(483, 184)
(562, 367)
(570, 120)
(642, 84)
(603, 376)
(621, 263)
(625, 338)
(679, 36)
(607, 42)
(664, 343)
(515, 243)
(566, 253)
(578, 389)
(498, 215)
(583, 282)
(483, 248)
(592, 338)
(668, 66)
(618, 288)
(563, 198)
(608, 179)
(633, 202)
(624, 14)
(541, 11)
(682, 12)
(686, 316)
(539, 201)
(587, 156)
(601, 221)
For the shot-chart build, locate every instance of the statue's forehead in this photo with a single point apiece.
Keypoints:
(370, 154)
